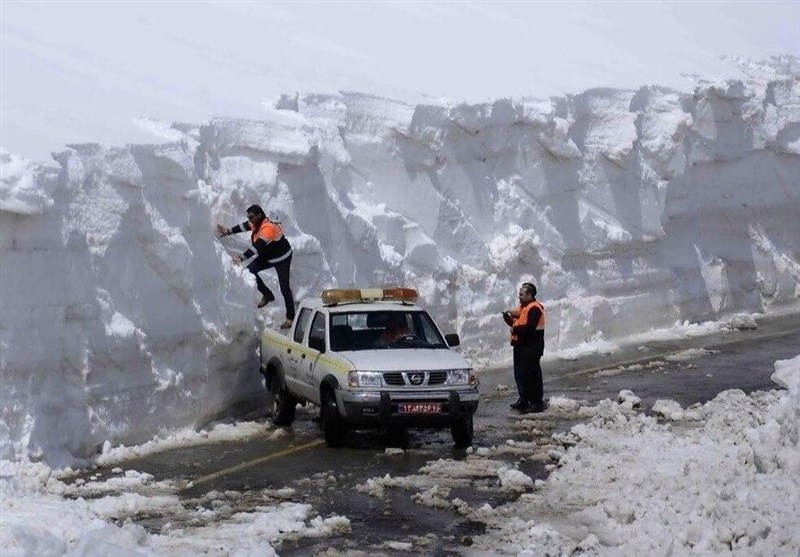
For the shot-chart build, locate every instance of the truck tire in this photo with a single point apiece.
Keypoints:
(462, 431)
(283, 403)
(333, 426)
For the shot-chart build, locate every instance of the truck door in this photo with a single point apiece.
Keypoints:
(316, 345)
(293, 353)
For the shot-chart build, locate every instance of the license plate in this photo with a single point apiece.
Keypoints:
(419, 408)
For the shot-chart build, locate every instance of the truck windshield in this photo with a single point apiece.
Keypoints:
(369, 330)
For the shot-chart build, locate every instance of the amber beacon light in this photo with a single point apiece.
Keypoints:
(335, 296)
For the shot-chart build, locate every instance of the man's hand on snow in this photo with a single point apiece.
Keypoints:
(222, 231)
(237, 259)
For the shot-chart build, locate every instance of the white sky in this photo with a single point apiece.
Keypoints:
(83, 71)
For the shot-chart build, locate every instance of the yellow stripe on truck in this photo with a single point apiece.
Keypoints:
(337, 365)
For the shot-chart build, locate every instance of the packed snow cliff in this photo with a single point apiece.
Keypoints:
(631, 210)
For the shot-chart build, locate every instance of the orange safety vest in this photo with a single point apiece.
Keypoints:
(522, 319)
(268, 231)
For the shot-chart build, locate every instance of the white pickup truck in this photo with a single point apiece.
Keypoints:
(369, 358)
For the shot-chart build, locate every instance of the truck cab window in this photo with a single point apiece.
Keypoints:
(316, 337)
(302, 323)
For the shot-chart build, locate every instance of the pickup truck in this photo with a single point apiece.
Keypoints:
(369, 358)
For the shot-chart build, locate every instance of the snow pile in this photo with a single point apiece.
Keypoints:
(632, 210)
(44, 516)
(634, 485)
(119, 316)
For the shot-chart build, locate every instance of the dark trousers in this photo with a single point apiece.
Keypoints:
(528, 373)
(282, 268)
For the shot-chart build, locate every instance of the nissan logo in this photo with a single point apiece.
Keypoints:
(416, 378)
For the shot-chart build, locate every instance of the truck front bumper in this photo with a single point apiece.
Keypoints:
(380, 408)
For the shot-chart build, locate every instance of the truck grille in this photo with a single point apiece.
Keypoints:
(394, 378)
(414, 378)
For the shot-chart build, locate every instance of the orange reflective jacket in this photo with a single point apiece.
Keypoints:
(537, 336)
(268, 231)
(268, 241)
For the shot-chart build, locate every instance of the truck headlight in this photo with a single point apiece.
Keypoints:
(364, 378)
(462, 377)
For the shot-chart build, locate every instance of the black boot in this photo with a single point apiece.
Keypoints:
(519, 404)
(536, 407)
(265, 299)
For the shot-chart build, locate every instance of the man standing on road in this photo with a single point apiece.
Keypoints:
(272, 249)
(527, 338)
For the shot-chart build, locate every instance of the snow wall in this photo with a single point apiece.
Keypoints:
(123, 315)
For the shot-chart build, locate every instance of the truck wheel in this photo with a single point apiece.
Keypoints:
(283, 403)
(462, 432)
(333, 426)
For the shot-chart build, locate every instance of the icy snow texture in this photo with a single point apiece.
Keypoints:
(43, 516)
(726, 484)
(630, 209)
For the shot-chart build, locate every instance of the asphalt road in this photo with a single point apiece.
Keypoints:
(256, 469)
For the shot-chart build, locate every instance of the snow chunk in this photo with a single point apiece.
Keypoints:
(26, 188)
(514, 480)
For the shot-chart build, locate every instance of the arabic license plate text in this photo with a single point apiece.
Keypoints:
(420, 408)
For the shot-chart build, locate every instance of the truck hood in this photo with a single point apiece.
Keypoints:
(404, 359)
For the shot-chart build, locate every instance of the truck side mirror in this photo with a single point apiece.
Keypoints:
(452, 339)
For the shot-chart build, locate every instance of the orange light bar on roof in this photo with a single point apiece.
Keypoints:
(334, 296)
(404, 294)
